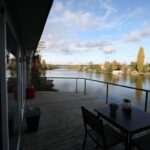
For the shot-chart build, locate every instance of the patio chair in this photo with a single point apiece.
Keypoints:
(103, 135)
(142, 143)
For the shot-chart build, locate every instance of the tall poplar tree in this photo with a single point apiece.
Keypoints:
(140, 59)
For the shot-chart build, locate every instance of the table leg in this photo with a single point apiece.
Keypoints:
(128, 143)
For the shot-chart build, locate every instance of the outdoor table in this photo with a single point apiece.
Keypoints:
(131, 124)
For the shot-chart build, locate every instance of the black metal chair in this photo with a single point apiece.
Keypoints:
(142, 143)
(103, 135)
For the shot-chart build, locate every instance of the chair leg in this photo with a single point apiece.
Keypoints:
(84, 142)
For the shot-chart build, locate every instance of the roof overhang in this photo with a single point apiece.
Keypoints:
(25, 22)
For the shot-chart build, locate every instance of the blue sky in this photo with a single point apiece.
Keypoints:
(83, 31)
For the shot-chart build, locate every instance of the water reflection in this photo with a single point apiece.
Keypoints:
(112, 78)
(138, 84)
(93, 87)
(134, 81)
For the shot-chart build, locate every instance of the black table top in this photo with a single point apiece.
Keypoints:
(137, 121)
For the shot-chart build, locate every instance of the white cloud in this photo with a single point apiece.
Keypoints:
(135, 12)
(110, 10)
(58, 7)
(56, 44)
(105, 46)
(86, 20)
(109, 49)
(137, 35)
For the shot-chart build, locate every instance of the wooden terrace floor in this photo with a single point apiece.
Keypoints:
(61, 124)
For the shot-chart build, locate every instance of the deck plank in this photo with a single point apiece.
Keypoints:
(61, 124)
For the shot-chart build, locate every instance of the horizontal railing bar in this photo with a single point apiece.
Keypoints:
(65, 77)
(145, 90)
(103, 82)
(120, 85)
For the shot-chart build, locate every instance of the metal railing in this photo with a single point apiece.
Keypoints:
(107, 87)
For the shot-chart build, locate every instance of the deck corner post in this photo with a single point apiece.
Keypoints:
(146, 101)
(85, 86)
(76, 85)
(107, 86)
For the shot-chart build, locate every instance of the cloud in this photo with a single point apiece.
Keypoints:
(135, 12)
(91, 44)
(105, 46)
(68, 23)
(56, 44)
(109, 10)
(58, 7)
(137, 35)
(107, 49)
(82, 20)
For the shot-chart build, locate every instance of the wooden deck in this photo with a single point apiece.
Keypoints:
(61, 125)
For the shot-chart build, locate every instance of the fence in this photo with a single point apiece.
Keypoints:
(107, 87)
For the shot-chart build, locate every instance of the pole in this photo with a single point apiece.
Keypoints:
(107, 93)
(146, 100)
(85, 86)
(76, 85)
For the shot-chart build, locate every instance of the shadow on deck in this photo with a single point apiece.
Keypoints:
(61, 124)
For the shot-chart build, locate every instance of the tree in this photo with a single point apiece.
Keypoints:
(37, 71)
(90, 65)
(108, 67)
(30, 58)
(12, 64)
(98, 68)
(41, 46)
(124, 68)
(115, 65)
(133, 66)
(140, 59)
(44, 66)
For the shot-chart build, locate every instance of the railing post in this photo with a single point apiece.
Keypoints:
(107, 93)
(76, 85)
(146, 100)
(85, 86)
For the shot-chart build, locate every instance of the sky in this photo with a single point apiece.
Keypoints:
(83, 31)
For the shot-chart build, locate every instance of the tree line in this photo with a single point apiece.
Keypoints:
(135, 67)
(43, 66)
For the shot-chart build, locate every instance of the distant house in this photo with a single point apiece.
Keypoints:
(103, 67)
(117, 72)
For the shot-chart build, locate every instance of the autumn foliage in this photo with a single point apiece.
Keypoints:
(140, 59)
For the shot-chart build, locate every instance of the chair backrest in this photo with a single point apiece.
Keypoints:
(93, 121)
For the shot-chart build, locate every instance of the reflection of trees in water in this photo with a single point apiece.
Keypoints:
(90, 74)
(145, 82)
(138, 84)
(107, 77)
(124, 77)
(111, 78)
(133, 79)
(115, 79)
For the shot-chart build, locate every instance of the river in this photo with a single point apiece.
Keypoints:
(116, 94)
